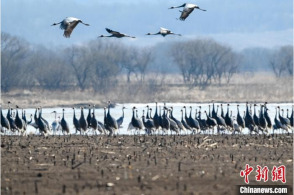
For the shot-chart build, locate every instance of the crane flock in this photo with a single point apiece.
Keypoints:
(163, 121)
(69, 23)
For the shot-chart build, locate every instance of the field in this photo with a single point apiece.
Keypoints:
(199, 164)
(244, 87)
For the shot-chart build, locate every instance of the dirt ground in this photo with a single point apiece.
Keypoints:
(187, 164)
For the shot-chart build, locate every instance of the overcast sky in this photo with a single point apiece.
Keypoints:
(237, 23)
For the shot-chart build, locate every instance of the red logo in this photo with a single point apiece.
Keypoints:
(246, 172)
(262, 173)
(279, 173)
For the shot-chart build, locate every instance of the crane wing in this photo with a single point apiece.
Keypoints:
(70, 28)
(186, 13)
(112, 32)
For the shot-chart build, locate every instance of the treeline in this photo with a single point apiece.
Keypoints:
(100, 65)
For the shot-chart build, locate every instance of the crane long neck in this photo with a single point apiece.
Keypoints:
(82, 113)
(171, 113)
(147, 115)
(133, 113)
(35, 116)
(190, 112)
(109, 109)
(261, 112)
(40, 113)
(16, 113)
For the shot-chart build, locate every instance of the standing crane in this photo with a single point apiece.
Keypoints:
(94, 122)
(172, 124)
(148, 124)
(136, 122)
(89, 117)
(19, 122)
(68, 25)
(193, 122)
(156, 118)
(262, 120)
(229, 121)
(186, 126)
(255, 117)
(211, 122)
(240, 120)
(284, 120)
(107, 127)
(56, 123)
(111, 122)
(12, 124)
(266, 116)
(4, 121)
(121, 119)
(63, 123)
(43, 127)
(179, 123)
(76, 122)
(82, 121)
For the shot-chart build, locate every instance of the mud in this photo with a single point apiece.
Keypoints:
(198, 164)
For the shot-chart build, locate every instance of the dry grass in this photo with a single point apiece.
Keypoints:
(170, 88)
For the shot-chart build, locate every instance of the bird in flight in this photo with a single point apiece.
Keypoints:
(164, 32)
(115, 34)
(187, 10)
(68, 25)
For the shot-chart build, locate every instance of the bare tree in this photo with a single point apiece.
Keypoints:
(104, 61)
(48, 70)
(128, 61)
(14, 52)
(75, 57)
(281, 61)
(143, 58)
(202, 61)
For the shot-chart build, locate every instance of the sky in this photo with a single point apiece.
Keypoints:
(236, 23)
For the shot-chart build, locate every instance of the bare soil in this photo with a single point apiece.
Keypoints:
(186, 164)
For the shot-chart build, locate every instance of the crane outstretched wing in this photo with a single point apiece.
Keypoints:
(112, 31)
(186, 13)
(70, 28)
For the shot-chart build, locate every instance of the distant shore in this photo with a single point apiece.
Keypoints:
(243, 88)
